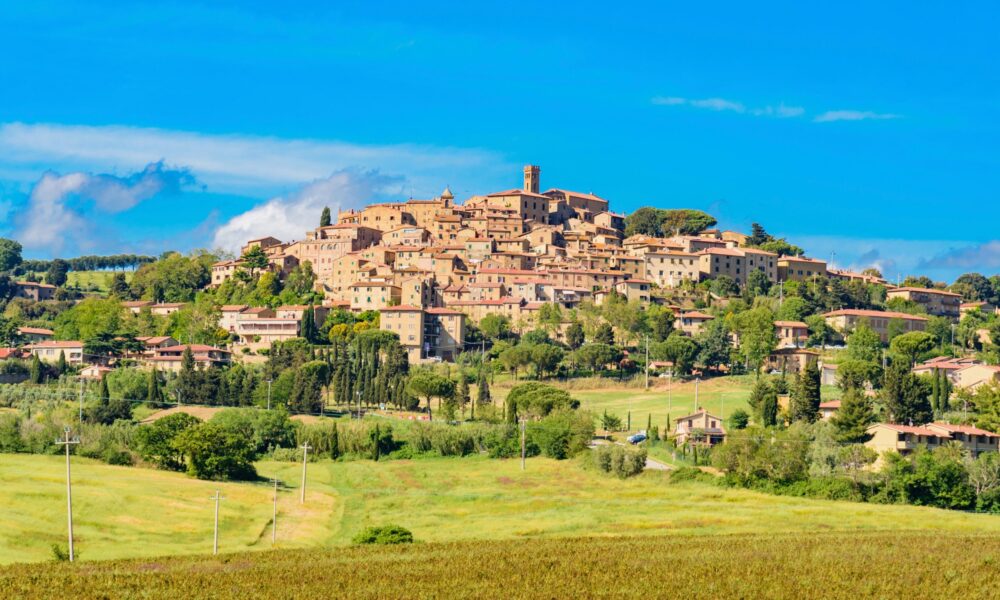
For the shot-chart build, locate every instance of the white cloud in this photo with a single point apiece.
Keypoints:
(287, 218)
(718, 104)
(853, 115)
(981, 257)
(722, 104)
(243, 163)
(54, 217)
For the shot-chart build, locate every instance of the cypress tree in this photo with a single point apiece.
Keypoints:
(153, 396)
(806, 396)
(936, 391)
(35, 369)
(334, 442)
(649, 422)
(61, 366)
(945, 392)
(102, 391)
(324, 217)
(462, 393)
(483, 389)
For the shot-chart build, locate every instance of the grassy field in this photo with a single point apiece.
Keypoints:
(131, 512)
(719, 395)
(93, 280)
(819, 565)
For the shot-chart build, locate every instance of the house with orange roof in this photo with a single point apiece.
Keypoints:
(691, 322)
(941, 303)
(34, 291)
(49, 351)
(791, 333)
(34, 334)
(844, 321)
(800, 268)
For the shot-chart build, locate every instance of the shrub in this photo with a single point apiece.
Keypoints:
(620, 461)
(155, 441)
(562, 434)
(384, 534)
(214, 452)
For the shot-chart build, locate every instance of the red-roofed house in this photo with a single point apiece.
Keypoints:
(846, 319)
(35, 334)
(937, 302)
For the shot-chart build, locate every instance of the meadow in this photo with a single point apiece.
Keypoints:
(123, 512)
(823, 564)
(664, 398)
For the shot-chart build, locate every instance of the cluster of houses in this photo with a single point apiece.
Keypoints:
(423, 262)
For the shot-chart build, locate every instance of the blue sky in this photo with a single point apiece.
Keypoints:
(862, 131)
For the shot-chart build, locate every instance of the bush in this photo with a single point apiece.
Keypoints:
(562, 434)
(156, 440)
(214, 452)
(685, 474)
(620, 461)
(385, 534)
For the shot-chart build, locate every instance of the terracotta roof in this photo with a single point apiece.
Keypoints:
(883, 314)
(967, 429)
(696, 315)
(799, 324)
(34, 330)
(830, 404)
(517, 192)
(442, 311)
(401, 308)
(56, 344)
(925, 290)
(233, 307)
(911, 429)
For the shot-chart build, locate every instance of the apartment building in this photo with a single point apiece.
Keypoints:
(940, 303)
(434, 333)
(845, 320)
(671, 268)
(800, 268)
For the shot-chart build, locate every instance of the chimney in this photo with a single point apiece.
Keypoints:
(531, 175)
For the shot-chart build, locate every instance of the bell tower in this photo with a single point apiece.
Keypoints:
(531, 176)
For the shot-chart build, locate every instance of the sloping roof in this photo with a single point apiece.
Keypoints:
(883, 314)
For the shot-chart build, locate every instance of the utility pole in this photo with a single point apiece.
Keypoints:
(81, 387)
(305, 457)
(67, 442)
(522, 443)
(670, 389)
(218, 497)
(697, 380)
(269, 394)
(274, 514)
(647, 362)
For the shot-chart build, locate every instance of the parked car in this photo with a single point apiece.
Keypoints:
(636, 438)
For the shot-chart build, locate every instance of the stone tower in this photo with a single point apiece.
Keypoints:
(531, 175)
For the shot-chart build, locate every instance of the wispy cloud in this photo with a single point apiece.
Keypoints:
(853, 115)
(288, 217)
(62, 210)
(245, 163)
(977, 257)
(779, 111)
(722, 104)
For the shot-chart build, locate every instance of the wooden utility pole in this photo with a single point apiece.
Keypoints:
(647, 362)
(81, 391)
(67, 442)
(274, 514)
(218, 497)
(523, 447)
(305, 458)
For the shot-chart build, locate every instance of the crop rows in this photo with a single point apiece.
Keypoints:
(880, 565)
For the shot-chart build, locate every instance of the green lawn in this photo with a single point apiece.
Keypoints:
(127, 512)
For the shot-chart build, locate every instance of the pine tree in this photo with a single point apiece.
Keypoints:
(853, 418)
(324, 218)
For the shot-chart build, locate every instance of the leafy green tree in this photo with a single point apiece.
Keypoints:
(911, 345)
(864, 344)
(214, 452)
(725, 286)
(685, 221)
(597, 356)
(680, 350)
(661, 323)
(758, 283)
(546, 358)
(853, 374)
(255, 259)
(906, 395)
(56, 275)
(794, 308)
(644, 221)
(714, 344)
(853, 418)
(739, 419)
(574, 336)
(10, 254)
(429, 385)
(156, 440)
(755, 328)
(536, 399)
(324, 218)
(495, 326)
(605, 334)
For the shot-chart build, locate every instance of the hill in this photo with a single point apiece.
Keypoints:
(123, 512)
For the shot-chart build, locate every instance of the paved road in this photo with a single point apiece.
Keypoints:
(651, 463)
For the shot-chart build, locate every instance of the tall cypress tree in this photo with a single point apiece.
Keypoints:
(324, 217)
(61, 366)
(35, 369)
(483, 389)
(936, 391)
